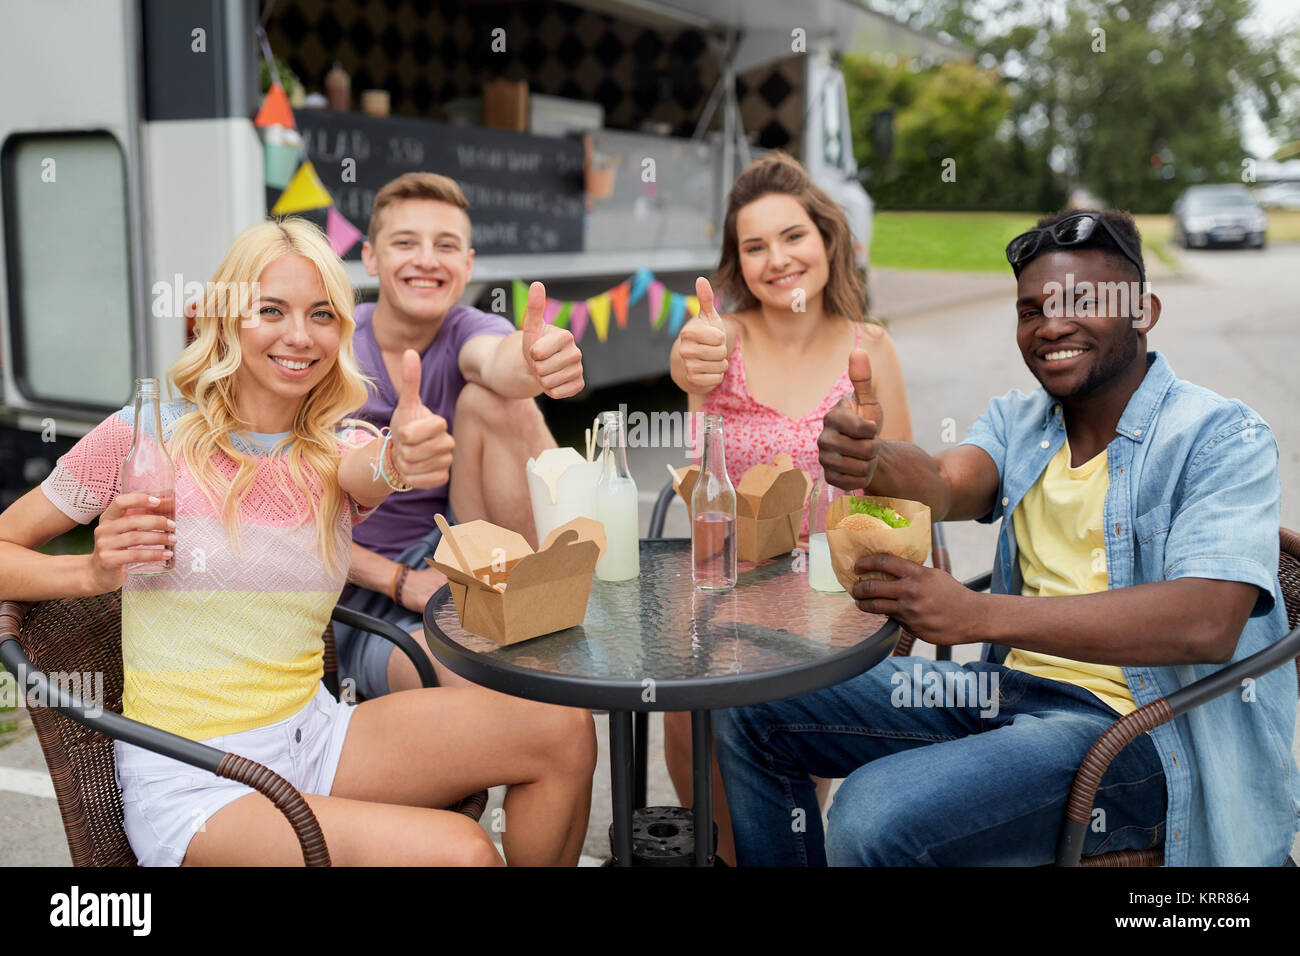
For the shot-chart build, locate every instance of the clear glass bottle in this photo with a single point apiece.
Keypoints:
(821, 577)
(148, 468)
(713, 515)
(616, 503)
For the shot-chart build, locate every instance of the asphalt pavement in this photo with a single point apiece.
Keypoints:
(1230, 322)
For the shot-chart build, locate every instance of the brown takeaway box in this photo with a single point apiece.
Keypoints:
(546, 591)
(770, 503)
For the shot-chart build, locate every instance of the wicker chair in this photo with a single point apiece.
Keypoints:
(84, 635)
(1078, 810)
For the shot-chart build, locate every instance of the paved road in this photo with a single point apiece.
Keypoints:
(1231, 323)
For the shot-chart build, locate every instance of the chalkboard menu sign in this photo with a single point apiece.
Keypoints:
(525, 192)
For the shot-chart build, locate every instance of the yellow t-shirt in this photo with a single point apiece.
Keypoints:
(1062, 546)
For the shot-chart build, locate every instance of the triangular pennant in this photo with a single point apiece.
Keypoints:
(562, 319)
(578, 320)
(303, 192)
(551, 311)
(676, 312)
(655, 298)
(618, 298)
(341, 233)
(598, 306)
(275, 109)
(693, 305)
(520, 295)
(641, 280)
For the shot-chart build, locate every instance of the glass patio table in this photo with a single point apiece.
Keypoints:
(658, 643)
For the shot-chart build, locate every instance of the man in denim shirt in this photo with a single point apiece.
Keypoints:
(1148, 508)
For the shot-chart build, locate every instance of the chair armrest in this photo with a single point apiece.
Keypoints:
(240, 769)
(660, 513)
(393, 634)
(1078, 809)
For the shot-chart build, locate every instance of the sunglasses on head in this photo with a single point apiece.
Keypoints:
(1070, 231)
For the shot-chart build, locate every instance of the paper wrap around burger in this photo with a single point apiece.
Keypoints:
(847, 546)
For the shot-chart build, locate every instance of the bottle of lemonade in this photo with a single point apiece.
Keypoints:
(713, 515)
(616, 503)
(148, 468)
(821, 577)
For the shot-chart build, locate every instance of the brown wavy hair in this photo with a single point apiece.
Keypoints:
(846, 291)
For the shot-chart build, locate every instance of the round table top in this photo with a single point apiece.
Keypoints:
(658, 643)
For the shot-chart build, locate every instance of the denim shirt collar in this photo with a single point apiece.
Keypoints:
(1142, 405)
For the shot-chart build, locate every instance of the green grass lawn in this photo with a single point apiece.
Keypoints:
(975, 241)
(958, 241)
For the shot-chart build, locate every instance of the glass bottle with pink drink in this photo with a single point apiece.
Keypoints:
(148, 468)
(713, 515)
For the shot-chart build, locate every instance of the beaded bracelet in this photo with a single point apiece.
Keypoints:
(384, 461)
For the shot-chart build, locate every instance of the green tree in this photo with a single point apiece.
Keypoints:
(1134, 100)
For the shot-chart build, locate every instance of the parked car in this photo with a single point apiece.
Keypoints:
(1279, 196)
(1218, 215)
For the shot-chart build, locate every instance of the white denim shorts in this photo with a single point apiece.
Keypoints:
(165, 802)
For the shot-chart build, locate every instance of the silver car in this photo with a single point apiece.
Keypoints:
(1219, 215)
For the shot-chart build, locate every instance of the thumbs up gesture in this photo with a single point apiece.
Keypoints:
(702, 343)
(551, 354)
(421, 448)
(848, 447)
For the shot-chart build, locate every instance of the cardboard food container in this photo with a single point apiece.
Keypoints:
(912, 542)
(545, 591)
(770, 503)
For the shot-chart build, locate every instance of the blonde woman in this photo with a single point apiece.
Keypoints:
(226, 648)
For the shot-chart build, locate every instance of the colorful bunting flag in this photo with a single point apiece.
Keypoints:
(618, 297)
(551, 311)
(341, 233)
(303, 192)
(676, 312)
(598, 307)
(641, 280)
(693, 305)
(655, 296)
(275, 109)
(520, 295)
(578, 320)
(562, 320)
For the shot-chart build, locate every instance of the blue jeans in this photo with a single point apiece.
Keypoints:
(970, 766)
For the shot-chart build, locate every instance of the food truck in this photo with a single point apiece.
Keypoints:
(595, 140)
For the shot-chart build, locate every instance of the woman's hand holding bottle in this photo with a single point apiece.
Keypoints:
(129, 532)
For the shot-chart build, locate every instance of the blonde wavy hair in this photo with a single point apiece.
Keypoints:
(205, 376)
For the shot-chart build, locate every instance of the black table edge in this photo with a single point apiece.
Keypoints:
(675, 695)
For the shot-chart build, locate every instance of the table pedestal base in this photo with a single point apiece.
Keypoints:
(663, 836)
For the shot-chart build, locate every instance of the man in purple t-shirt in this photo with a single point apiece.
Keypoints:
(479, 374)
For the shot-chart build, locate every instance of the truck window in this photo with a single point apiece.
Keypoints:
(68, 265)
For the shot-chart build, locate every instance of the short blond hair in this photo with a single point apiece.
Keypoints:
(416, 186)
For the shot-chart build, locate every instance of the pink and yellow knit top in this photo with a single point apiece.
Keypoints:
(227, 641)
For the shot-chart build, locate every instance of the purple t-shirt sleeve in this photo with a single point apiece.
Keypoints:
(405, 518)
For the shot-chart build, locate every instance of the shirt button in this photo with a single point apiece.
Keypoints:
(297, 735)
(1118, 531)
(1044, 444)
(1005, 502)
(1137, 431)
